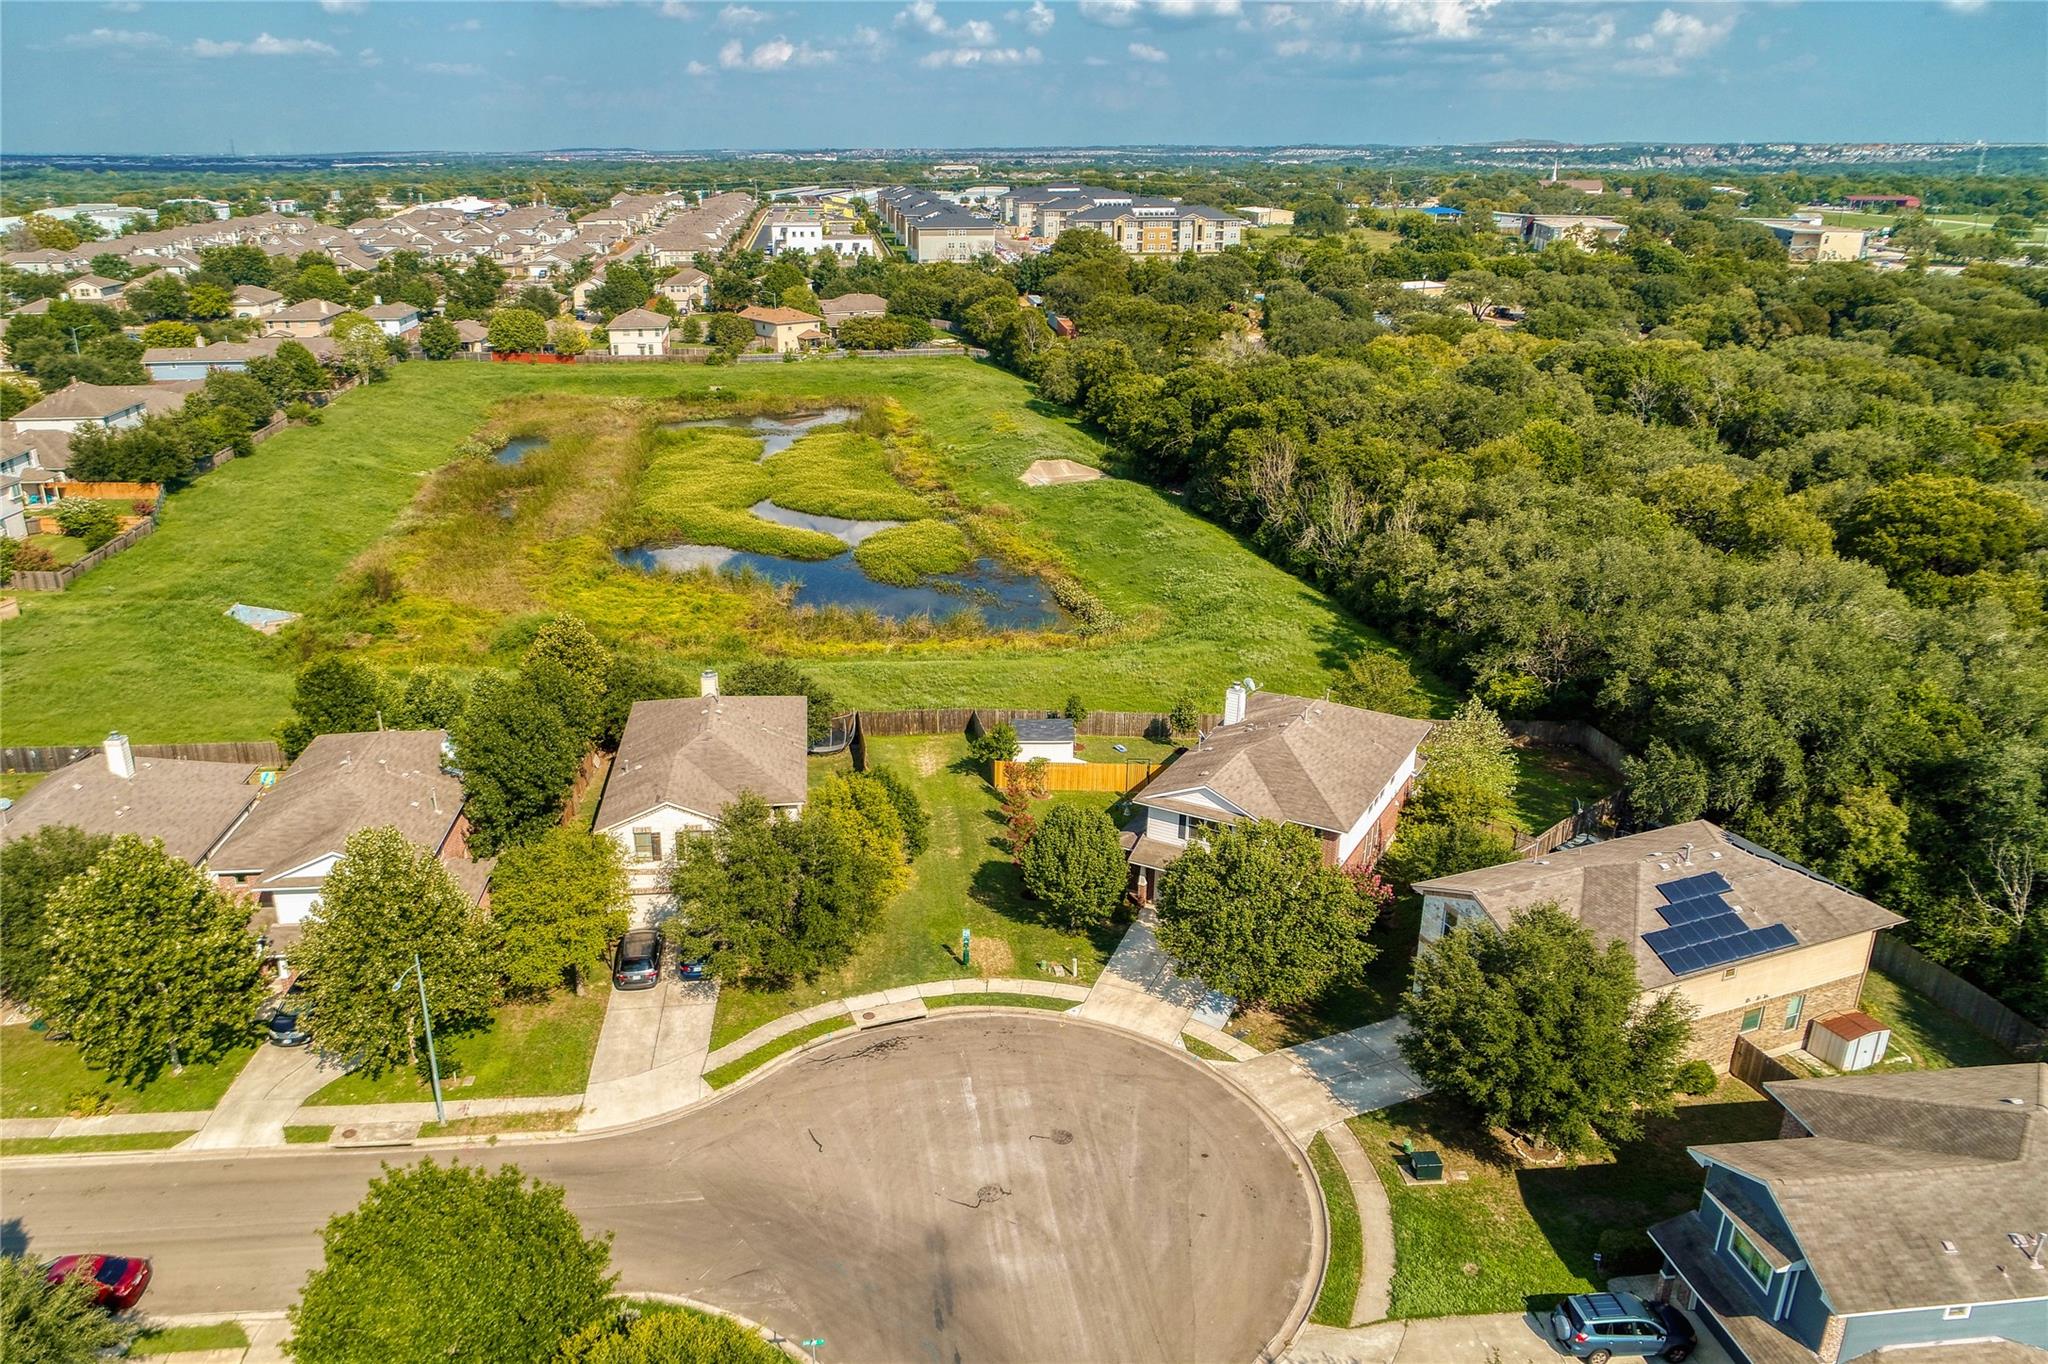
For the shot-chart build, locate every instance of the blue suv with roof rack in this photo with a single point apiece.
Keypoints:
(1601, 1326)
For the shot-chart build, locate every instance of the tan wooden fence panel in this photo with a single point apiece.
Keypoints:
(1984, 1012)
(1122, 778)
(50, 757)
(1750, 1064)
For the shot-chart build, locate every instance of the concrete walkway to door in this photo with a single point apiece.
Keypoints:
(650, 1055)
(1311, 1085)
(264, 1097)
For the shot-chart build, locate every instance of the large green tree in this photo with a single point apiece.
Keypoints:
(332, 695)
(557, 904)
(1074, 863)
(31, 869)
(451, 1262)
(1544, 1031)
(517, 330)
(1256, 913)
(384, 903)
(46, 1323)
(151, 964)
(519, 753)
(780, 677)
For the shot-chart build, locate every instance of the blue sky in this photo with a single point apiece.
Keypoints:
(189, 76)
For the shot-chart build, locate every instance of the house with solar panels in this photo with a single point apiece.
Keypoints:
(1760, 946)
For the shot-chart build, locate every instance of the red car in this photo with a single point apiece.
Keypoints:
(117, 1280)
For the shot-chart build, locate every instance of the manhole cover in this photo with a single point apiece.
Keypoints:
(869, 1014)
(989, 1192)
(1062, 1137)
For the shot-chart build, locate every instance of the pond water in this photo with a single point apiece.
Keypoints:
(1006, 600)
(848, 531)
(777, 433)
(518, 448)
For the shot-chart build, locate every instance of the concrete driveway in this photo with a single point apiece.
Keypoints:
(1507, 1338)
(989, 1187)
(650, 1054)
(1314, 1084)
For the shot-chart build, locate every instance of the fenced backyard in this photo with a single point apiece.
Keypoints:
(1122, 778)
(51, 757)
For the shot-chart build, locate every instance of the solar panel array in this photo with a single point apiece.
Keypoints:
(1705, 931)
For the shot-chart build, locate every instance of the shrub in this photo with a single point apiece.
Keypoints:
(1186, 715)
(301, 411)
(91, 521)
(910, 808)
(997, 744)
(1697, 1077)
(902, 555)
(1074, 863)
(1074, 710)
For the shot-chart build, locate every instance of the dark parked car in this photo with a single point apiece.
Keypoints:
(689, 970)
(1603, 1326)
(636, 964)
(284, 1020)
(117, 1280)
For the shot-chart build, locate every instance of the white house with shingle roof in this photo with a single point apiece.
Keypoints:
(189, 805)
(1339, 771)
(681, 761)
(638, 331)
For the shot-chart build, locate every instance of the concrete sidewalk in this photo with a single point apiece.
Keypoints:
(1503, 1338)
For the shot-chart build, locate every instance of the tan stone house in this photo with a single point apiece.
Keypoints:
(1760, 946)
(783, 330)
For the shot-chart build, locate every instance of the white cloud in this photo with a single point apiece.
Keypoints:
(773, 55)
(116, 37)
(1436, 18)
(263, 45)
(922, 14)
(1965, 6)
(740, 16)
(123, 6)
(368, 57)
(587, 4)
(1293, 47)
(450, 69)
(676, 9)
(1115, 13)
(1145, 52)
(467, 26)
(698, 69)
(344, 6)
(1196, 9)
(982, 56)
(1038, 19)
(1675, 39)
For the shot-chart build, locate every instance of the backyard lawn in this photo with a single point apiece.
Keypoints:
(1552, 781)
(964, 880)
(530, 1049)
(1510, 1238)
(1922, 1031)
(142, 644)
(44, 1079)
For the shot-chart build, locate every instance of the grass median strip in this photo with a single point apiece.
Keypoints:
(554, 1120)
(762, 1055)
(1197, 1047)
(1000, 1000)
(312, 1134)
(65, 1146)
(1347, 1249)
(170, 1340)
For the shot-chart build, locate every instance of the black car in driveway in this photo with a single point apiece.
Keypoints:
(636, 962)
(284, 1023)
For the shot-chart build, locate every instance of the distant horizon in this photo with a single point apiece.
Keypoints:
(500, 79)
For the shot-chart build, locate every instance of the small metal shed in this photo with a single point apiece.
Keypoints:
(1848, 1040)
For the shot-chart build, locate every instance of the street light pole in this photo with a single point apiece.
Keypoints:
(433, 1064)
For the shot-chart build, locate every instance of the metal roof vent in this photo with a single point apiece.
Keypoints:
(1948, 1247)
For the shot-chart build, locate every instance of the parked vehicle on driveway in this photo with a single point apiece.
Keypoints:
(636, 963)
(1601, 1326)
(689, 970)
(117, 1280)
(284, 1019)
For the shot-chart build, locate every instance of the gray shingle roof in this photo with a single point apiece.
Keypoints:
(1611, 887)
(699, 753)
(1896, 1165)
(340, 784)
(1058, 730)
(1292, 758)
(187, 804)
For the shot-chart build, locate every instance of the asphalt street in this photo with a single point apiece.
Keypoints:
(967, 1188)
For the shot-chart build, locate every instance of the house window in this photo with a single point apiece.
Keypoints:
(1752, 1020)
(1794, 1007)
(647, 845)
(1956, 1313)
(1749, 1257)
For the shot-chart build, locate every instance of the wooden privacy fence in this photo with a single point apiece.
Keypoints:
(1984, 1012)
(1588, 818)
(50, 757)
(1572, 734)
(1750, 1064)
(1122, 778)
(57, 579)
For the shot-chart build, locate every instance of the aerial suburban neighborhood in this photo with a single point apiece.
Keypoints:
(1059, 683)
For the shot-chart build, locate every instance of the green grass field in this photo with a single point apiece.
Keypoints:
(74, 1146)
(1510, 1238)
(1929, 1035)
(530, 1049)
(219, 1335)
(964, 880)
(141, 643)
(44, 1079)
